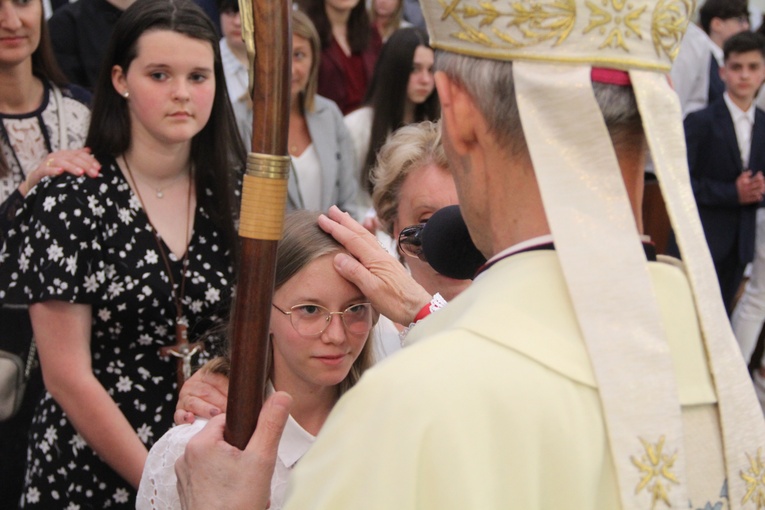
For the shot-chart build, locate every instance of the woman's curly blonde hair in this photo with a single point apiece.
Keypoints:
(406, 150)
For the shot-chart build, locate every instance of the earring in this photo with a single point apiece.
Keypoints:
(126, 94)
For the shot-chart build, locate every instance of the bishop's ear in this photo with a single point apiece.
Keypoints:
(459, 113)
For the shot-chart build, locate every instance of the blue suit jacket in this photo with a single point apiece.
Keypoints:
(714, 160)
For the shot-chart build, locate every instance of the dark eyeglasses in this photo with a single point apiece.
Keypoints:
(410, 241)
(313, 320)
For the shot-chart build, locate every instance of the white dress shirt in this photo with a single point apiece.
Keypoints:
(237, 82)
(743, 122)
(690, 71)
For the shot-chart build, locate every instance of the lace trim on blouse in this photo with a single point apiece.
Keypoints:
(27, 139)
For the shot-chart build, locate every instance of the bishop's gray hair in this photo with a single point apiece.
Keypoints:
(490, 83)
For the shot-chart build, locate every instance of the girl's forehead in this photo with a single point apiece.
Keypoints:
(320, 278)
(165, 42)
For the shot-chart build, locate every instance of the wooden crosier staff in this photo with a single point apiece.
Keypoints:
(266, 23)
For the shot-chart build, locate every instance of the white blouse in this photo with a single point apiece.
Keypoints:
(308, 177)
(359, 123)
(158, 489)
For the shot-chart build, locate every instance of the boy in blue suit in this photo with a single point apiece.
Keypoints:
(726, 157)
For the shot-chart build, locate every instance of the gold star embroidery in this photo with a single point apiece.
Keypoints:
(755, 481)
(621, 16)
(656, 468)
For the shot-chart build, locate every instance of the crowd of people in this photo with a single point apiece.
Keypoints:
(718, 75)
(121, 167)
(145, 221)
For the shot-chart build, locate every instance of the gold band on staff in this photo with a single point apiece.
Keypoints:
(264, 195)
(268, 166)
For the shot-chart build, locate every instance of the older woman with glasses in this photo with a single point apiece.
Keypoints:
(411, 182)
(320, 348)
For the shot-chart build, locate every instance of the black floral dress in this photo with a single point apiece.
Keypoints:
(84, 240)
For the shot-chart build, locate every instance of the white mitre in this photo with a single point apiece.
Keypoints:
(554, 44)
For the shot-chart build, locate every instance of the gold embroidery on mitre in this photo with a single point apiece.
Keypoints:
(656, 469)
(622, 17)
(668, 24)
(622, 34)
(526, 23)
(755, 481)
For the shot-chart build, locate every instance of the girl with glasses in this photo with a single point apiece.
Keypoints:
(411, 183)
(320, 329)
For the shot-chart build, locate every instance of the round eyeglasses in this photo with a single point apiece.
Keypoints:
(410, 241)
(312, 320)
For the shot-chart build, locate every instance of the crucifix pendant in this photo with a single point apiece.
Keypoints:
(185, 355)
(182, 350)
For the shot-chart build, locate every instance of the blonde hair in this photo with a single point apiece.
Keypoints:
(302, 26)
(406, 150)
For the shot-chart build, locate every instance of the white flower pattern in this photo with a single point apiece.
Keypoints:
(151, 257)
(55, 252)
(48, 204)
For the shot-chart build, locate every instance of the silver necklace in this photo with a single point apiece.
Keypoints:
(159, 192)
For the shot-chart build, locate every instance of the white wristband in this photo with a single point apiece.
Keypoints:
(436, 303)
